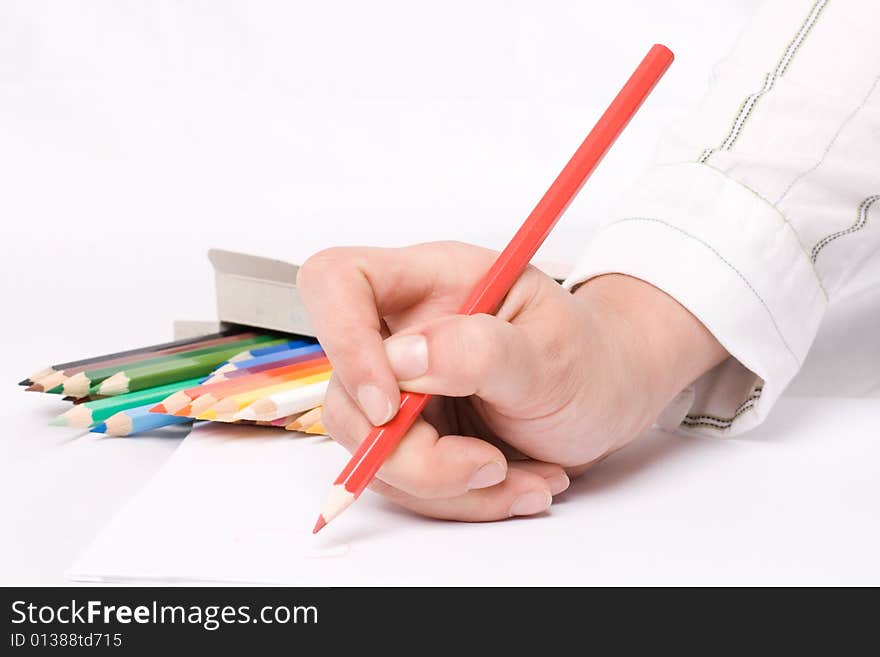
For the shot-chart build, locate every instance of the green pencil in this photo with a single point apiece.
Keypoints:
(78, 385)
(161, 373)
(195, 340)
(91, 413)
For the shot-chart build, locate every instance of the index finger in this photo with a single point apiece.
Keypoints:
(348, 290)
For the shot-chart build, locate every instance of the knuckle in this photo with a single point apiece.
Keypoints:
(317, 266)
(426, 487)
(422, 479)
(331, 418)
(352, 363)
(481, 347)
(331, 410)
(418, 488)
(454, 245)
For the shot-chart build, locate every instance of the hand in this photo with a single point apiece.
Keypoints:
(524, 399)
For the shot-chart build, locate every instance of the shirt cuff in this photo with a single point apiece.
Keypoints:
(734, 261)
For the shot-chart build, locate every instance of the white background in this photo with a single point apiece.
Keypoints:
(135, 135)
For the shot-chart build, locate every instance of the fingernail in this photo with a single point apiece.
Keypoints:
(374, 403)
(531, 503)
(408, 355)
(558, 483)
(488, 475)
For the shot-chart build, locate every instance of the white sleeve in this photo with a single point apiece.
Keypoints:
(764, 205)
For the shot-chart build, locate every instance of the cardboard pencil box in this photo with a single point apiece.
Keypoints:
(252, 291)
(261, 293)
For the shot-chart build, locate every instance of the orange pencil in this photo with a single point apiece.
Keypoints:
(217, 391)
(307, 419)
(491, 290)
(233, 404)
(317, 428)
(53, 377)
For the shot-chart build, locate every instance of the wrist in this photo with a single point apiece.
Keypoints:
(671, 346)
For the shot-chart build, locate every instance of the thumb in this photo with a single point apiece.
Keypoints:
(459, 356)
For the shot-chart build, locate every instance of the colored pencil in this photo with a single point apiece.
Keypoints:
(316, 428)
(81, 383)
(46, 383)
(209, 394)
(284, 421)
(490, 291)
(265, 351)
(136, 420)
(270, 358)
(206, 401)
(212, 400)
(75, 378)
(26, 382)
(272, 423)
(307, 419)
(232, 404)
(265, 367)
(162, 371)
(84, 362)
(284, 403)
(91, 412)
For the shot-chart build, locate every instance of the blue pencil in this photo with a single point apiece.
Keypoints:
(137, 420)
(271, 349)
(269, 358)
(284, 346)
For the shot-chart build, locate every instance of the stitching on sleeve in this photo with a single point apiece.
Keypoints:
(709, 424)
(861, 220)
(831, 143)
(781, 214)
(729, 265)
(748, 105)
(723, 423)
(713, 424)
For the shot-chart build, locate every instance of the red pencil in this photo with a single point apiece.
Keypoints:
(491, 290)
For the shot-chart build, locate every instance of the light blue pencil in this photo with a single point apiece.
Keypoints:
(137, 420)
(268, 358)
(264, 351)
(291, 344)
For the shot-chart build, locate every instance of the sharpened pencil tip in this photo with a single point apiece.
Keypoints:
(319, 525)
(245, 414)
(99, 428)
(186, 411)
(159, 408)
(26, 382)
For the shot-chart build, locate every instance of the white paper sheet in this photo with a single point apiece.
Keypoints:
(794, 503)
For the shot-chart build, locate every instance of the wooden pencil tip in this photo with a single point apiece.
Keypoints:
(159, 408)
(26, 382)
(186, 411)
(34, 387)
(319, 525)
(246, 413)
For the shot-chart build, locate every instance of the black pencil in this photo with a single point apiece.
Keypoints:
(60, 367)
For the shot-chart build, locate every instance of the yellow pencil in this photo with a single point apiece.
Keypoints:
(316, 428)
(230, 405)
(307, 419)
